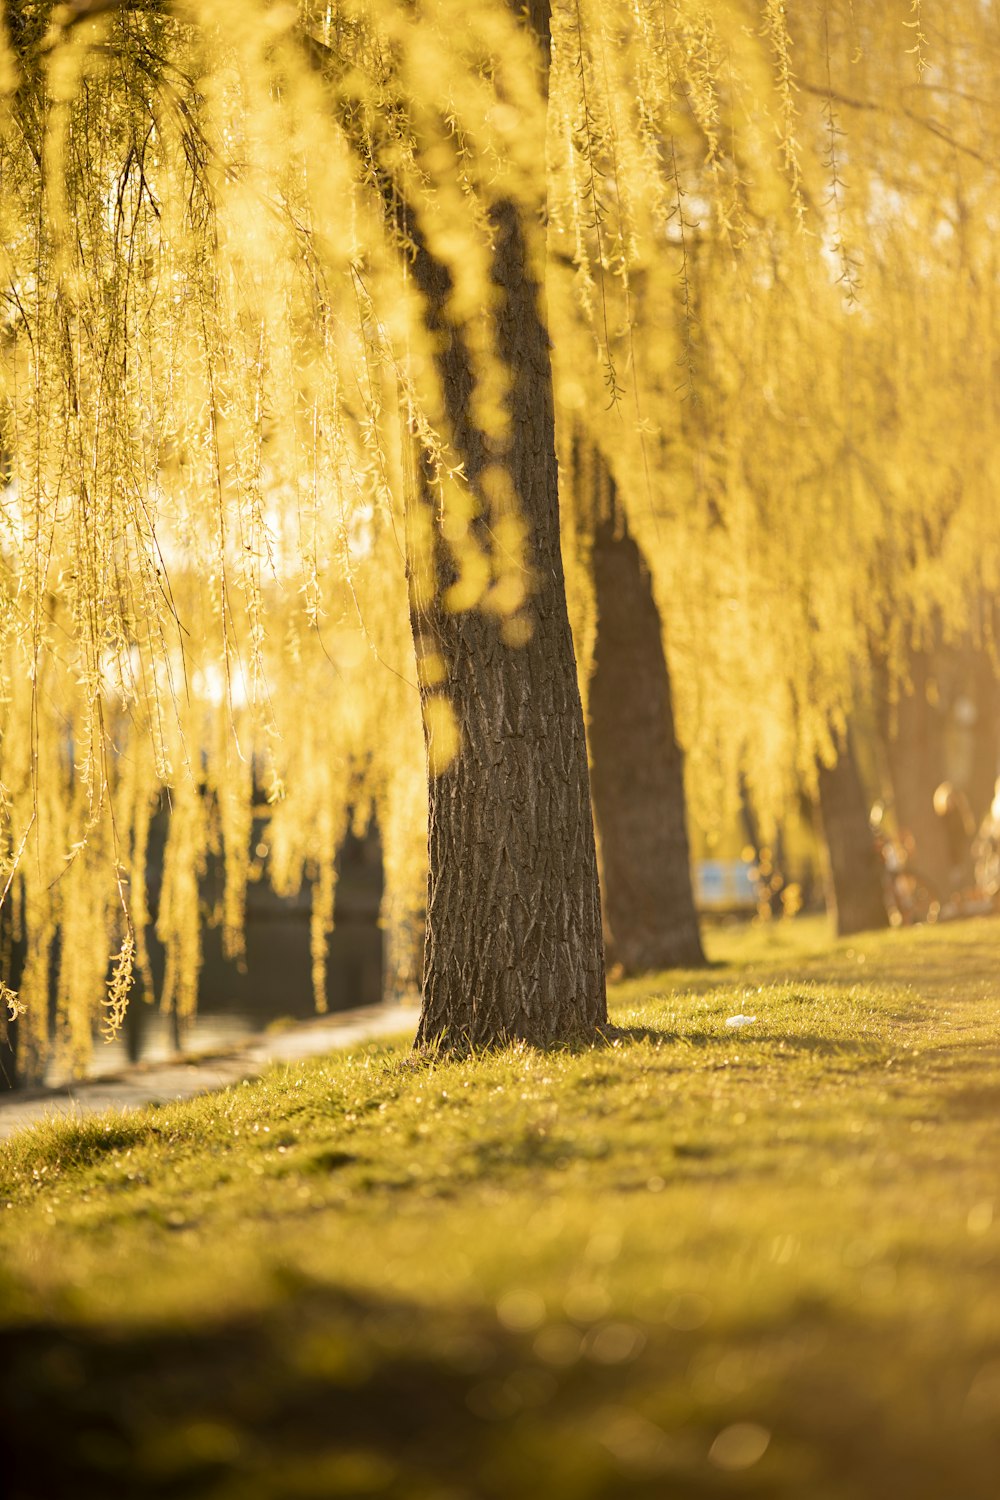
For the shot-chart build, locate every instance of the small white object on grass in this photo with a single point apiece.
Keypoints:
(736, 1021)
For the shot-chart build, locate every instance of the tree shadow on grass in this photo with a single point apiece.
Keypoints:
(331, 1394)
(618, 1037)
(655, 1036)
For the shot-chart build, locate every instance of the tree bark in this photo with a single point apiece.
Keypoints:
(513, 945)
(854, 869)
(637, 766)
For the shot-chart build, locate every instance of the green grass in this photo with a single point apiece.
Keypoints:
(698, 1262)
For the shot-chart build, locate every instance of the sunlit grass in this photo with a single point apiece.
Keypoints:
(696, 1261)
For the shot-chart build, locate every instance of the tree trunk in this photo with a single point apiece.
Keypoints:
(513, 944)
(914, 738)
(637, 766)
(854, 869)
(982, 692)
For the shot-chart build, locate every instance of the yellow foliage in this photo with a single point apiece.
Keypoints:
(772, 299)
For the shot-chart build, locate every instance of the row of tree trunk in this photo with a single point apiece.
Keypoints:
(515, 931)
(912, 731)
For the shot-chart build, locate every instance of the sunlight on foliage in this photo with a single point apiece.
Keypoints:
(772, 300)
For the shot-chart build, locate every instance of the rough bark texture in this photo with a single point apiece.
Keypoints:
(854, 869)
(637, 766)
(513, 943)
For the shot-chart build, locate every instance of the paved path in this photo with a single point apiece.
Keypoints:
(184, 1077)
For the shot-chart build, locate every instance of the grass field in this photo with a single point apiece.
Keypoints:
(696, 1262)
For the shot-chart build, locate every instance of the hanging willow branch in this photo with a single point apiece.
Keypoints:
(233, 237)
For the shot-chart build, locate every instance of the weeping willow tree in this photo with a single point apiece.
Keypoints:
(255, 260)
(275, 389)
(780, 238)
(199, 534)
